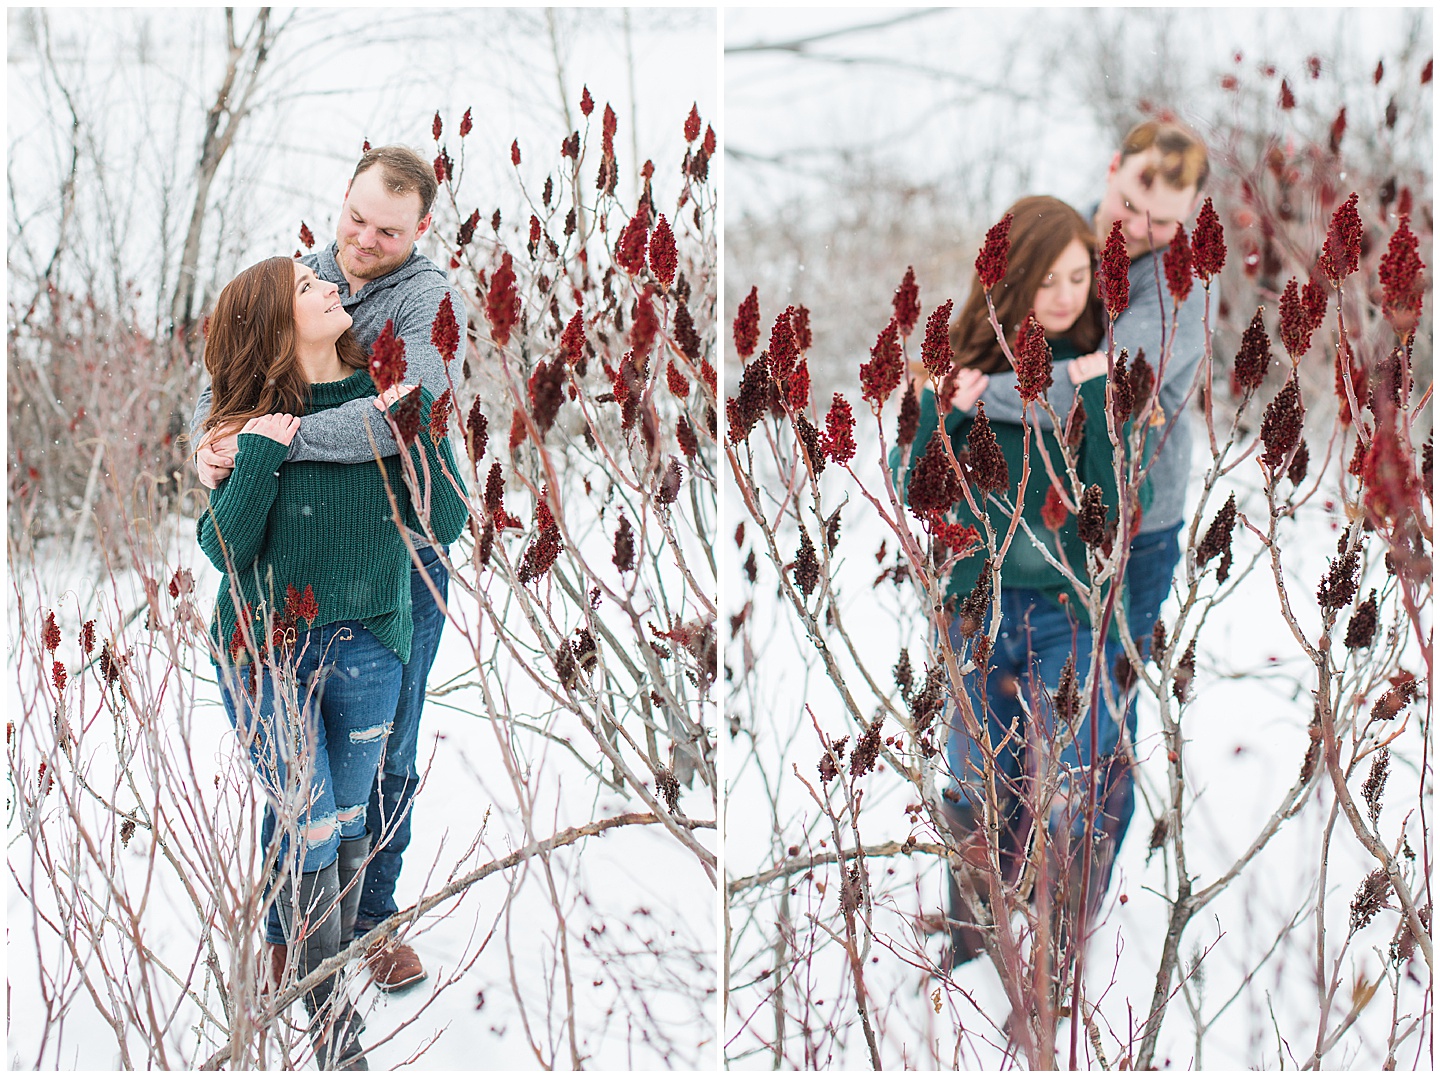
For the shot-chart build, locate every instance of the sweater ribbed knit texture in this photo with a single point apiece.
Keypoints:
(324, 525)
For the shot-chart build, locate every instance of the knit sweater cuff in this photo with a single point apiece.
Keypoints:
(256, 456)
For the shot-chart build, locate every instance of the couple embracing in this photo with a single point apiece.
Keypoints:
(329, 615)
(1026, 718)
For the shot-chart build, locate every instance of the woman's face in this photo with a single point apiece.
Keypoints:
(1065, 290)
(319, 317)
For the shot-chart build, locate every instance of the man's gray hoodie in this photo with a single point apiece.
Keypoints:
(411, 295)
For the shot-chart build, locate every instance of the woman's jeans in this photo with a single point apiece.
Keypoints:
(1036, 637)
(388, 815)
(315, 730)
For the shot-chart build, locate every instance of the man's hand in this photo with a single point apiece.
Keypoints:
(1083, 368)
(390, 396)
(216, 460)
(969, 385)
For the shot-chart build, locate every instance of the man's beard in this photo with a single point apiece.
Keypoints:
(372, 269)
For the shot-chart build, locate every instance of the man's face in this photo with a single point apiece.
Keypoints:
(378, 228)
(1129, 200)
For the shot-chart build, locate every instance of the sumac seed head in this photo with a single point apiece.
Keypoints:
(747, 325)
(1340, 256)
(906, 303)
(994, 257)
(936, 351)
(1207, 243)
(986, 467)
(1252, 359)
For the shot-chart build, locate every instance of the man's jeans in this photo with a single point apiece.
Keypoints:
(332, 718)
(1153, 558)
(387, 817)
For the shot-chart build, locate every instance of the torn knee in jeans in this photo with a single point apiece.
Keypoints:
(320, 831)
(349, 816)
(370, 733)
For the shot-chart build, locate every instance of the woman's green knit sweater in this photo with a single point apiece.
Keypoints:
(1025, 566)
(325, 526)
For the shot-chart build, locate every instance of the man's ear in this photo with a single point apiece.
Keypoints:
(424, 225)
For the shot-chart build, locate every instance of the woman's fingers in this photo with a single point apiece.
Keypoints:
(278, 427)
(1083, 368)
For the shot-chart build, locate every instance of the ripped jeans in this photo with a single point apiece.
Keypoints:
(316, 736)
(1036, 637)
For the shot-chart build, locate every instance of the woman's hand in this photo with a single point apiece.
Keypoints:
(391, 395)
(1083, 368)
(279, 427)
(969, 385)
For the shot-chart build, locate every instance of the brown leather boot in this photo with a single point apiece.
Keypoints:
(393, 964)
(278, 955)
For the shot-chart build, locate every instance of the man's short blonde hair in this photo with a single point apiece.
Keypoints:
(403, 171)
(1184, 161)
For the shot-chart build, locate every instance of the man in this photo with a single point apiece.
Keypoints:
(381, 278)
(1153, 185)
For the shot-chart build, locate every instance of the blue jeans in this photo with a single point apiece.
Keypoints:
(389, 817)
(1036, 637)
(330, 716)
(1153, 557)
(388, 813)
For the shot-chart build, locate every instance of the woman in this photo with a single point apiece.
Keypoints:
(310, 668)
(1043, 622)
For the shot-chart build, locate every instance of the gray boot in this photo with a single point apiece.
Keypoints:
(351, 867)
(314, 904)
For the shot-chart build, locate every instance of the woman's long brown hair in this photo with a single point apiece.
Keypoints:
(250, 348)
(1041, 229)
